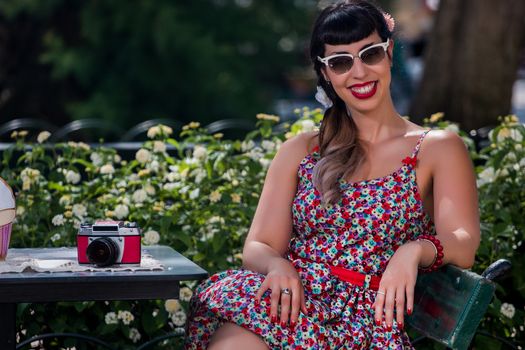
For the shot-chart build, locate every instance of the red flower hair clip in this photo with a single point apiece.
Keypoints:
(389, 21)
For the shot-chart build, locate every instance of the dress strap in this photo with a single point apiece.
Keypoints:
(418, 144)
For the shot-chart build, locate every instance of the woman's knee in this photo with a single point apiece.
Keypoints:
(232, 336)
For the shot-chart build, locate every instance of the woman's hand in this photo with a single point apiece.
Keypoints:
(281, 275)
(396, 290)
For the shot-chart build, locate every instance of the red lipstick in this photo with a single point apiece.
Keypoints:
(364, 93)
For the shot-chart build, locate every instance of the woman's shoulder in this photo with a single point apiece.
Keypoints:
(443, 146)
(443, 138)
(298, 146)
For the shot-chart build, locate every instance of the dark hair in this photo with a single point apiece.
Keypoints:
(345, 22)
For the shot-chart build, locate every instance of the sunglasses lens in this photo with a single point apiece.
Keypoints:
(373, 55)
(340, 65)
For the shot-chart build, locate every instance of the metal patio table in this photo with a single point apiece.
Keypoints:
(37, 287)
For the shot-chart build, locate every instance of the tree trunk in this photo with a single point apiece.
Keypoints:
(471, 61)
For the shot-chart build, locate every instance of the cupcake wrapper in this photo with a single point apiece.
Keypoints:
(5, 236)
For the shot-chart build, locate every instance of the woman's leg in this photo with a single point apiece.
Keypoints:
(230, 336)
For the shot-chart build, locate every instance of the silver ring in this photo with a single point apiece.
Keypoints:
(286, 291)
(380, 292)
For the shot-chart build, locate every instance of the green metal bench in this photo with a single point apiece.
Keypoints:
(450, 303)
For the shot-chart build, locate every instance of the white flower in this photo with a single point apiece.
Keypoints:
(150, 190)
(151, 237)
(134, 335)
(452, 127)
(58, 220)
(194, 194)
(159, 147)
(170, 186)
(111, 318)
(153, 131)
(30, 175)
(107, 169)
(121, 184)
(153, 166)
(216, 219)
(265, 162)
(157, 130)
(121, 211)
(79, 210)
(199, 152)
(247, 145)
(179, 318)
(185, 294)
(268, 145)
(20, 210)
(143, 156)
(307, 125)
(65, 200)
(255, 154)
(126, 317)
(172, 306)
(43, 136)
(235, 198)
(505, 133)
(323, 98)
(200, 174)
(96, 159)
(507, 310)
(139, 196)
(72, 177)
(486, 176)
(55, 237)
(215, 196)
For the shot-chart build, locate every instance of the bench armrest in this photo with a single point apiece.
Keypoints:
(449, 305)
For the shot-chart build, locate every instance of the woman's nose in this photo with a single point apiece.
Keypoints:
(358, 70)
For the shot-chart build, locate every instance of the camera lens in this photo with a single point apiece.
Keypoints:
(102, 252)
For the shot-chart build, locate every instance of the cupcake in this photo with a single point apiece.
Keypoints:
(7, 215)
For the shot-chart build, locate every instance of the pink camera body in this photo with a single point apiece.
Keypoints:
(108, 243)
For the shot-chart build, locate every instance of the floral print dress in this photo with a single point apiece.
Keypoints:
(360, 233)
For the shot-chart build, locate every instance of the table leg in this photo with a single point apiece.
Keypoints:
(8, 326)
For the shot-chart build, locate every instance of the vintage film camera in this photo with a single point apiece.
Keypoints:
(106, 243)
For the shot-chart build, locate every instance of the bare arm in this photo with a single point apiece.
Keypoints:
(271, 232)
(271, 228)
(456, 213)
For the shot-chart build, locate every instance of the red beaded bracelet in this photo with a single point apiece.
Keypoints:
(438, 255)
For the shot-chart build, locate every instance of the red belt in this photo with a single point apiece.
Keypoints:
(356, 278)
(350, 276)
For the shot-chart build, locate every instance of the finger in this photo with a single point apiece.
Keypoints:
(296, 305)
(379, 306)
(389, 308)
(410, 299)
(286, 300)
(303, 303)
(400, 307)
(262, 289)
(274, 307)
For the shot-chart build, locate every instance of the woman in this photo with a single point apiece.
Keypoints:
(335, 246)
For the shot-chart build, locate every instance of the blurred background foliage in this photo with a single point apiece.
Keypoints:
(206, 60)
(128, 61)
